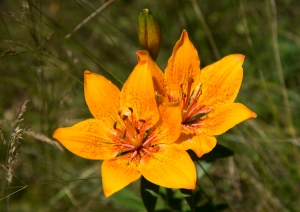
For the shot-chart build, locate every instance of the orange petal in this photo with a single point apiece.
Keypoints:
(87, 139)
(169, 167)
(118, 173)
(138, 94)
(221, 81)
(218, 123)
(168, 129)
(183, 63)
(157, 75)
(200, 144)
(102, 97)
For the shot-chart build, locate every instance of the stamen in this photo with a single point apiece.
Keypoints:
(146, 151)
(142, 120)
(125, 145)
(137, 130)
(115, 125)
(124, 135)
(132, 120)
(193, 107)
(148, 140)
(133, 155)
(186, 102)
(191, 80)
(131, 110)
(181, 86)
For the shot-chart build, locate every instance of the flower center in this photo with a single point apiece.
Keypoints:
(133, 136)
(192, 110)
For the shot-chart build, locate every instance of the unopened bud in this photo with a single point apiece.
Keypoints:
(149, 33)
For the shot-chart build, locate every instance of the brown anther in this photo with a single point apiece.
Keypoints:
(124, 117)
(183, 94)
(131, 110)
(124, 134)
(137, 130)
(190, 80)
(115, 125)
(142, 120)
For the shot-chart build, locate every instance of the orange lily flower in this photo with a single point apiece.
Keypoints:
(208, 96)
(130, 133)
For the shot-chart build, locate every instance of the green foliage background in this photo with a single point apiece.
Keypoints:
(38, 63)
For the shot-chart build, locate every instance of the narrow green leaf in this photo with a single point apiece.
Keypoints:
(202, 168)
(128, 199)
(149, 193)
(189, 197)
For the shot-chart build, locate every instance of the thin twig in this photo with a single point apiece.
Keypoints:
(280, 70)
(260, 72)
(89, 18)
(284, 93)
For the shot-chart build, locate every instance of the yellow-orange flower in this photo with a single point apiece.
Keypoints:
(130, 133)
(208, 96)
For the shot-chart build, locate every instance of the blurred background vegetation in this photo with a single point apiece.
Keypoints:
(38, 62)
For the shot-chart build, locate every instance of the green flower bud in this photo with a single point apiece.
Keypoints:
(149, 33)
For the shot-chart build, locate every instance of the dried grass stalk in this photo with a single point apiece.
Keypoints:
(13, 143)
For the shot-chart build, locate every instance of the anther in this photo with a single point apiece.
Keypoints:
(115, 125)
(137, 130)
(131, 110)
(124, 117)
(142, 120)
(190, 80)
(124, 134)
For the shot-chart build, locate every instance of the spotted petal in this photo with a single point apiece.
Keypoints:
(87, 139)
(182, 65)
(217, 123)
(102, 98)
(157, 75)
(169, 167)
(118, 173)
(200, 144)
(221, 81)
(138, 94)
(168, 129)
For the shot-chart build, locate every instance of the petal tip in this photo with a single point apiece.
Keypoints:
(142, 55)
(87, 72)
(191, 185)
(254, 115)
(240, 57)
(107, 193)
(184, 34)
(54, 135)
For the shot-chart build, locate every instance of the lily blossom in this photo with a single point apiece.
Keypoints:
(207, 96)
(130, 133)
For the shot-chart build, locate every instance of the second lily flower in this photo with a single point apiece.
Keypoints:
(208, 96)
